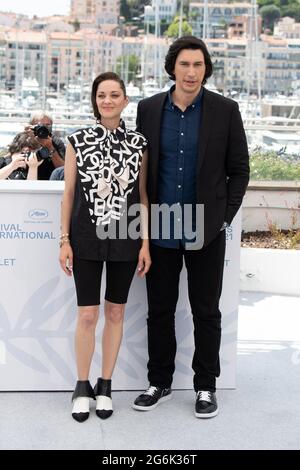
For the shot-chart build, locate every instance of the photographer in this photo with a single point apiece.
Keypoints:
(52, 151)
(21, 162)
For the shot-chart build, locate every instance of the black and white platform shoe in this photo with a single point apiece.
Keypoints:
(102, 390)
(81, 400)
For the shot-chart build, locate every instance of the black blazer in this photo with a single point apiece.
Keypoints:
(223, 159)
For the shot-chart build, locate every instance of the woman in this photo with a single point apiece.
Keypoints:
(105, 170)
(21, 162)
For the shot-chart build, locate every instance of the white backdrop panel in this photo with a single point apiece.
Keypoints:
(38, 305)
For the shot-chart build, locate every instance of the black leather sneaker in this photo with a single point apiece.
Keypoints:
(151, 398)
(206, 405)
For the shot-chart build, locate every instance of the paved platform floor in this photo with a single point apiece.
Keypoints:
(262, 413)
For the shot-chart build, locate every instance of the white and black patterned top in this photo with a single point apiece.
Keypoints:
(108, 164)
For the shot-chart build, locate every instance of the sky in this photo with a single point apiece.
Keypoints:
(36, 7)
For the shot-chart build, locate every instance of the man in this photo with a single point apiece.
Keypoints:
(58, 174)
(52, 150)
(197, 156)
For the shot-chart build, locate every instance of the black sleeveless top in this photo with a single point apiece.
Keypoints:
(107, 185)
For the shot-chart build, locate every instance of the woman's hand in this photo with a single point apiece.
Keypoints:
(33, 161)
(66, 258)
(144, 261)
(18, 161)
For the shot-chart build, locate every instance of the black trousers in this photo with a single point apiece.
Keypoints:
(205, 276)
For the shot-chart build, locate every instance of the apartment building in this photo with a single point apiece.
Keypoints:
(219, 14)
(79, 57)
(26, 55)
(281, 58)
(56, 59)
(99, 11)
(150, 50)
(287, 28)
(166, 10)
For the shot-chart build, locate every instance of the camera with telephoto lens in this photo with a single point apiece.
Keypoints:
(41, 131)
(21, 173)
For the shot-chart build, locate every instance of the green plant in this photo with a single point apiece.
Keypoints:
(173, 29)
(128, 66)
(270, 13)
(268, 165)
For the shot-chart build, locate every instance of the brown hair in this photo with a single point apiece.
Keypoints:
(21, 140)
(102, 78)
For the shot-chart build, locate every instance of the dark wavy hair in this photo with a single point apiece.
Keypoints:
(102, 78)
(21, 140)
(187, 42)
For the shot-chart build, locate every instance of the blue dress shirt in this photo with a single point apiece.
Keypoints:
(179, 148)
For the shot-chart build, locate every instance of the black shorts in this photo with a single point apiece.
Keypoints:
(87, 276)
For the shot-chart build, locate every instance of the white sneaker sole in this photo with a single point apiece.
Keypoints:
(206, 415)
(152, 407)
